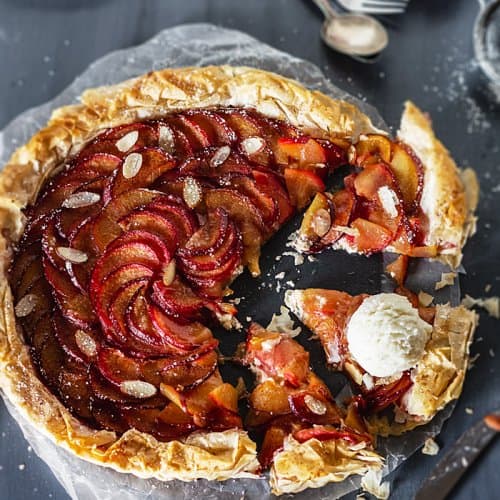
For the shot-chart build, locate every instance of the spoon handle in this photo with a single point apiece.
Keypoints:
(326, 8)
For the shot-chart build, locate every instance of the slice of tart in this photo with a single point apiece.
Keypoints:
(405, 196)
(399, 356)
(307, 439)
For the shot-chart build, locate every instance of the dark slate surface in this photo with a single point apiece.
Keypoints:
(44, 44)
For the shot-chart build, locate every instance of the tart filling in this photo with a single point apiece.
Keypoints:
(395, 199)
(307, 438)
(128, 252)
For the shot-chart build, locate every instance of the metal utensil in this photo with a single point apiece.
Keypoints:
(356, 35)
(384, 7)
(487, 40)
(454, 464)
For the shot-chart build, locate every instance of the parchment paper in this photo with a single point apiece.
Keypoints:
(199, 45)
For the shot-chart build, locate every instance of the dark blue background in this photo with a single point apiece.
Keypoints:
(44, 45)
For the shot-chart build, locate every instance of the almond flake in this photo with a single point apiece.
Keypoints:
(169, 273)
(132, 165)
(85, 343)
(81, 199)
(127, 141)
(166, 139)
(220, 156)
(252, 145)
(72, 255)
(138, 389)
(191, 192)
(315, 405)
(389, 201)
(26, 305)
(321, 222)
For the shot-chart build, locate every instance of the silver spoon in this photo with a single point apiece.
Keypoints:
(355, 35)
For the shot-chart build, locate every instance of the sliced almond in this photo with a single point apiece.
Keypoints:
(26, 305)
(138, 389)
(127, 141)
(191, 192)
(321, 222)
(72, 255)
(132, 165)
(166, 139)
(389, 200)
(81, 199)
(85, 343)
(169, 273)
(252, 145)
(315, 405)
(220, 156)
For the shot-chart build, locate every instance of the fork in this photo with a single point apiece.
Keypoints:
(375, 6)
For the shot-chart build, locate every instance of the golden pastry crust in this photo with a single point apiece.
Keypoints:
(215, 455)
(449, 196)
(315, 463)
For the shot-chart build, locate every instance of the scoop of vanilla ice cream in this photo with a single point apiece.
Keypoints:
(386, 335)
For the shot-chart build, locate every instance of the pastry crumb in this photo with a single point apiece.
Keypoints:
(298, 259)
(469, 411)
(21, 466)
(491, 353)
(283, 323)
(490, 304)
(472, 360)
(372, 483)
(425, 299)
(447, 279)
(430, 447)
(487, 288)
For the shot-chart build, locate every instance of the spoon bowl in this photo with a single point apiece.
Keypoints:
(355, 34)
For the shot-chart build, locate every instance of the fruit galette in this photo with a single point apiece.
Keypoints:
(127, 218)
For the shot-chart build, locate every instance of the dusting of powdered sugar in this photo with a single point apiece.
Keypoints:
(461, 82)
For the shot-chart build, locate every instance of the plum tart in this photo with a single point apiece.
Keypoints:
(126, 219)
